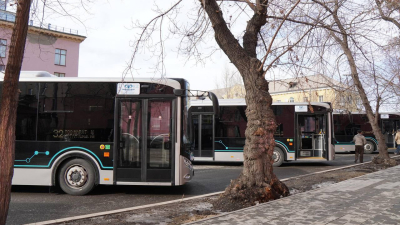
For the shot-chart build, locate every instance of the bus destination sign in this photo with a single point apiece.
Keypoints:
(128, 89)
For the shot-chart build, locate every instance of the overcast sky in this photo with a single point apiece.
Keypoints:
(109, 37)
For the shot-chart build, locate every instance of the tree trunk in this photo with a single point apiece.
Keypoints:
(9, 103)
(257, 182)
(383, 156)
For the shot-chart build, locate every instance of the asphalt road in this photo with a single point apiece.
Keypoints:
(35, 204)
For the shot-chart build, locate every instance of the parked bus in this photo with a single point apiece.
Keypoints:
(80, 132)
(347, 124)
(304, 131)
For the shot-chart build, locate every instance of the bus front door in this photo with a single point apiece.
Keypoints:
(203, 141)
(145, 148)
(389, 128)
(311, 130)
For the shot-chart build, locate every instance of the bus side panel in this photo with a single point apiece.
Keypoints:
(42, 155)
(346, 126)
(29, 176)
(286, 144)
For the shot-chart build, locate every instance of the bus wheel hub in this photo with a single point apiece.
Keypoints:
(76, 176)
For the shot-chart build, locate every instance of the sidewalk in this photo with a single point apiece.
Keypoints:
(370, 199)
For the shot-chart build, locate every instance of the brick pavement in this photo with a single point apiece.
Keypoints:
(370, 199)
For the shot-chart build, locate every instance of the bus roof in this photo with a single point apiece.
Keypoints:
(43, 76)
(242, 101)
(361, 113)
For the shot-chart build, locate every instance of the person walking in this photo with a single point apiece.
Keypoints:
(359, 141)
(397, 141)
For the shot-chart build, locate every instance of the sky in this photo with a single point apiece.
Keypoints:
(109, 37)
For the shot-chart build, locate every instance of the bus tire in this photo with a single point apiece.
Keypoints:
(278, 157)
(77, 177)
(369, 147)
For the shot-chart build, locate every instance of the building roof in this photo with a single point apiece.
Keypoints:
(242, 102)
(7, 20)
(303, 83)
(318, 81)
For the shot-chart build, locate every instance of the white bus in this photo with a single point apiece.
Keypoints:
(81, 132)
(304, 132)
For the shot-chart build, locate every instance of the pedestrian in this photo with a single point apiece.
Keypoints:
(397, 140)
(359, 141)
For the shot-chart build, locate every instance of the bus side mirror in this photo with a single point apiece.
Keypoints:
(179, 92)
(215, 103)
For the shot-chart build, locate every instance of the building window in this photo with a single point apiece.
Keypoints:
(60, 57)
(292, 84)
(3, 48)
(59, 74)
(305, 99)
(291, 99)
(342, 100)
(2, 68)
(321, 98)
(349, 99)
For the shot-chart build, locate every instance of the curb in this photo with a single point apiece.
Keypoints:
(69, 219)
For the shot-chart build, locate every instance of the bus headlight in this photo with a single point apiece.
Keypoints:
(188, 164)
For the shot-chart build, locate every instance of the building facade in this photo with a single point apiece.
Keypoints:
(48, 47)
(314, 88)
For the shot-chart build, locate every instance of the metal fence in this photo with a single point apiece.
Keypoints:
(11, 18)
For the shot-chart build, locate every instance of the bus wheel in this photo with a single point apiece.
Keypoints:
(278, 157)
(369, 147)
(77, 177)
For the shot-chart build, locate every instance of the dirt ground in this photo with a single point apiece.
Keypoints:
(188, 211)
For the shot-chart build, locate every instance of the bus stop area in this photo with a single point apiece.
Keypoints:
(370, 199)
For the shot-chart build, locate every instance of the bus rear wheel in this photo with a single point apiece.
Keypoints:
(77, 177)
(278, 157)
(369, 147)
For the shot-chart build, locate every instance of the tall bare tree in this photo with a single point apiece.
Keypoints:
(389, 10)
(349, 26)
(253, 53)
(339, 28)
(9, 103)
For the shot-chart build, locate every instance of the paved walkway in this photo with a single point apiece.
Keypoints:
(370, 199)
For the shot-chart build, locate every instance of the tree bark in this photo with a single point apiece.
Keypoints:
(257, 182)
(382, 148)
(383, 156)
(9, 104)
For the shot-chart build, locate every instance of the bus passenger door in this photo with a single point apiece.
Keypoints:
(203, 140)
(145, 146)
(312, 139)
(389, 131)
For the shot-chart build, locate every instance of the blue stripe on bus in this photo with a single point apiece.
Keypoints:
(241, 150)
(287, 149)
(228, 150)
(65, 149)
(373, 139)
(352, 143)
